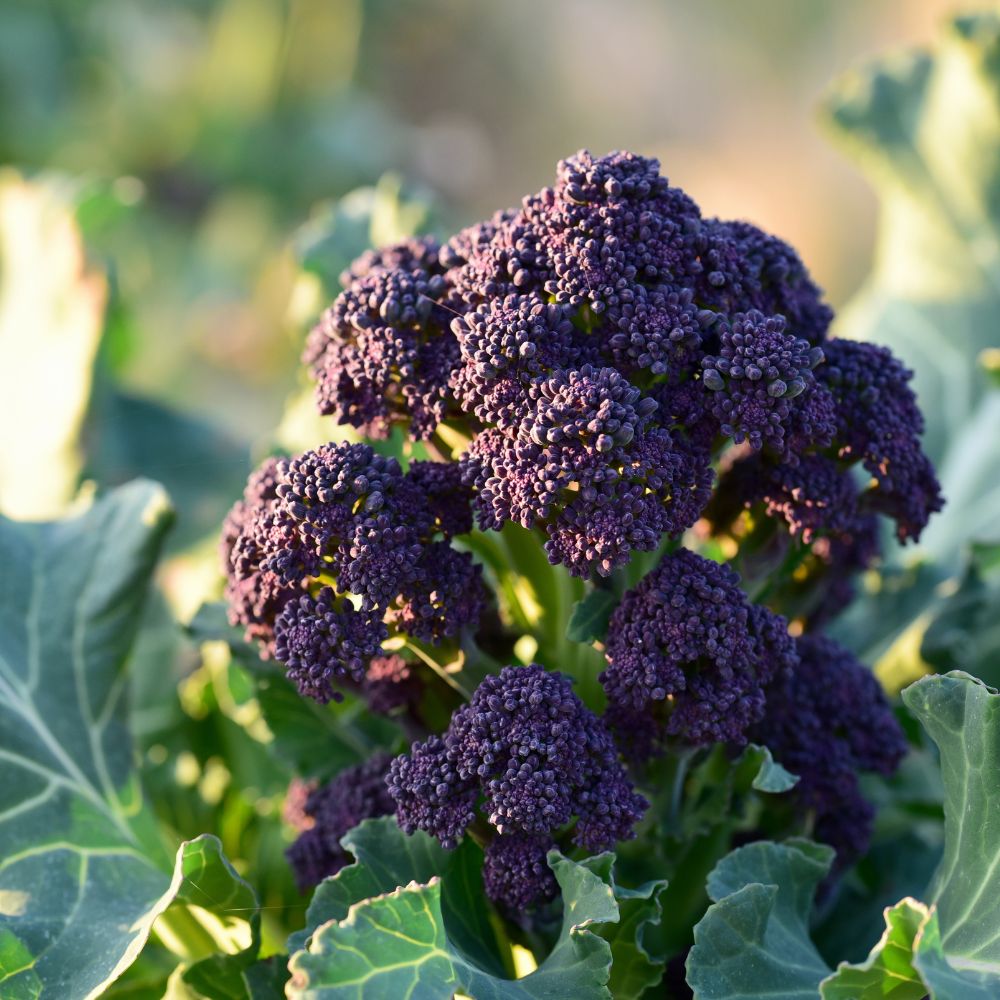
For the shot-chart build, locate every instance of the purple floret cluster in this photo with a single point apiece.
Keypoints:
(325, 813)
(827, 719)
(329, 551)
(598, 346)
(534, 759)
(610, 370)
(690, 657)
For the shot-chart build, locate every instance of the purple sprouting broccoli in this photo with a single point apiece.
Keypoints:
(813, 498)
(588, 466)
(688, 645)
(879, 424)
(587, 361)
(516, 874)
(756, 378)
(445, 594)
(745, 268)
(328, 550)
(329, 811)
(538, 758)
(506, 344)
(599, 346)
(383, 353)
(827, 720)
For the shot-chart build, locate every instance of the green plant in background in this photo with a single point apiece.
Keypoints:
(158, 907)
(925, 127)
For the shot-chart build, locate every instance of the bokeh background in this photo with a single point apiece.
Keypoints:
(197, 136)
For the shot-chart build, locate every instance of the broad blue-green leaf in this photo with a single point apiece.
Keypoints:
(947, 947)
(949, 978)
(81, 869)
(962, 715)
(385, 859)
(925, 127)
(399, 946)
(83, 873)
(888, 971)
(754, 941)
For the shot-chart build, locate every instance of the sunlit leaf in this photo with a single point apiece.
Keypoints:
(51, 316)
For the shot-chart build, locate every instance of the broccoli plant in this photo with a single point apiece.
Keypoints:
(533, 673)
(602, 397)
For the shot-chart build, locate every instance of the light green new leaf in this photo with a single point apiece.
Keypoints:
(888, 971)
(210, 916)
(392, 946)
(634, 967)
(925, 127)
(83, 875)
(385, 859)
(754, 942)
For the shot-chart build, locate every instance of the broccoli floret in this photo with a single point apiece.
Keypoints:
(537, 756)
(329, 549)
(756, 377)
(879, 424)
(328, 812)
(689, 638)
(828, 719)
(390, 684)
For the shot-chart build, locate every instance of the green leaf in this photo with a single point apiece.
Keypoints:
(965, 630)
(769, 775)
(945, 981)
(397, 944)
(948, 949)
(590, 616)
(83, 873)
(925, 128)
(72, 827)
(888, 971)
(315, 740)
(718, 788)
(754, 941)
(370, 216)
(398, 878)
(220, 913)
(634, 966)
(385, 859)
(391, 945)
(962, 715)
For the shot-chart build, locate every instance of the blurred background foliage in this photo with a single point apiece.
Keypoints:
(181, 182)
(201, 133)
